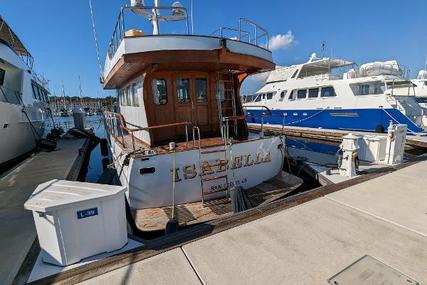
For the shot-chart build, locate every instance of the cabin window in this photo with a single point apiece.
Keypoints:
(2, 75)
(425, 82)
(129, 96)
(269, 96)
(327, 92)
(183, 90)
(160, 93)
(282, 95)
(201, 90)
(302, 94)
(137, 92)
(39, 93)
(368, 88)
(313, 92)
(293, 95)
(220, 93)
(258, 98)
(34, 91)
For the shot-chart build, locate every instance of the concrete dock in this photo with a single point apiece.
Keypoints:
(304, 240)
(17, 231)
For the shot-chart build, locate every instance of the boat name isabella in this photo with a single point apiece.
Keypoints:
(220, 165)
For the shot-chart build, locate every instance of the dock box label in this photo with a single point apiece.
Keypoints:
(87, 213)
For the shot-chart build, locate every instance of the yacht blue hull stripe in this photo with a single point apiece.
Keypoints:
(346, 119)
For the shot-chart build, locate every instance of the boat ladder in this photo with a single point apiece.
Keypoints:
(207, 174)
(226, 94)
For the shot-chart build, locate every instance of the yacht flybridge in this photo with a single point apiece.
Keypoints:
(314, 95)
(180, 134)
(23, 98)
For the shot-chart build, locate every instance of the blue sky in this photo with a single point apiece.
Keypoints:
(59, 35)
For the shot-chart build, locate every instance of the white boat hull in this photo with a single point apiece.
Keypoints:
(17, 137)
(250, 163)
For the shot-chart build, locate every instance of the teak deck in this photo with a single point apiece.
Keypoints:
(193, 213)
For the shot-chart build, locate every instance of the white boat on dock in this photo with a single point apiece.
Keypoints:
(318, 94)
(180, 135)
(23, 98)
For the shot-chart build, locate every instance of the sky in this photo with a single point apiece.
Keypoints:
(59, 33)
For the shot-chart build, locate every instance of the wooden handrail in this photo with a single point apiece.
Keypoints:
(158, 127)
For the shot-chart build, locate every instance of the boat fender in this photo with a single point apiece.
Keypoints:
(104, 147)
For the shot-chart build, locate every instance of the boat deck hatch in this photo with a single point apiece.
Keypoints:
(368, 270)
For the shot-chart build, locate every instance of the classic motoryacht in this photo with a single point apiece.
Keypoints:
(180, 134)
(23, 98)
(318, 94)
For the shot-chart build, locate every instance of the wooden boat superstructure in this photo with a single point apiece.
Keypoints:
(180, 134)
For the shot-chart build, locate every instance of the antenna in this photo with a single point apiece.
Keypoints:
(192, 21)
(81, 92)
(178, 13)
(96, 39)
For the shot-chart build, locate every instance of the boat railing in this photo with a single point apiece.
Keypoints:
(122, 25)
(255, 35)
(116, 126)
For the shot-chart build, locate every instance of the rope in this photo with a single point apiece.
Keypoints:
(31, 124)
(411, 131)
(95, 38)
(305, 119)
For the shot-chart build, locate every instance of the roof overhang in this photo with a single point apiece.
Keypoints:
(11, 39)
(155, 53)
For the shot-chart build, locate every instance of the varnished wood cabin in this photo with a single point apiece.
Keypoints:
(178, 78)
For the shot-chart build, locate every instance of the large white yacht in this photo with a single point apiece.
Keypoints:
(319, 94)
(23, 98)
(180, 135)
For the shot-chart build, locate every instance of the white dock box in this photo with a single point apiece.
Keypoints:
(75, 220)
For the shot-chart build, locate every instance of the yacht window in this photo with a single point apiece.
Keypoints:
(220, 93)
(368, 88)
(135, 95)
(201, 90)
(301, 94)
(269, 96)
(425, 82)
(282, 95)
(328, 92)
(258, 98)
(292, 96)
(34, 90)
(39, 93)
(129, 95)
(160, 93)
(313, 92)
(183, 90)
(2, 75)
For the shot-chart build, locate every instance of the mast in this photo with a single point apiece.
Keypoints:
(155, 17)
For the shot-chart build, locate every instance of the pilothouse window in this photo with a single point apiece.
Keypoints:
(201, 90)
(269, 96)
(368, 88)
(183, 90)
(282, 95)
(2, 75)
(301, 94)
(313, 92)
(160, 93)
(327, 92)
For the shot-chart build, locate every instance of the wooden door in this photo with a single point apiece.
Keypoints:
(162, 109)
(191, 92)
(201, 97)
